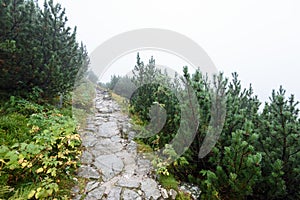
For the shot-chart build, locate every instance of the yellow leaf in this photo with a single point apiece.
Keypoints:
(29, 165)
(24, 164)
(21, 160)
(31, 194)
(39, 170)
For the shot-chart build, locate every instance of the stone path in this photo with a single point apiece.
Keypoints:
(110, 161)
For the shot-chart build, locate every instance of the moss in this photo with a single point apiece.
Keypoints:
(168, 182)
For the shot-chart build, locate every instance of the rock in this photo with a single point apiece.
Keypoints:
(107, 97)
(129, 163)
(191, 189)
(131, 135)
(132, 147)
(105, 110)
(88, 172)
(130, 182)
(144, 166)
(95, 194)
(86, 157)
(130, 195)
(91, 185)
(110, 165)
(114, 193)
(90, 126)
(89, 140)
(173, 193)
(149, 186)
(108, 130)
(164, 193)
(106, 146)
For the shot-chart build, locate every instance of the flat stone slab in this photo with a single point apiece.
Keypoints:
(95, 194)
(89, 140)
(115, 193)
(88, 172)
(150, 188)
(130, 182)
(106, 146)
(86, 157)
(108, 130)
(144, 166)
(129, 163)
(91, 186)
(110, 165)
(130, 195)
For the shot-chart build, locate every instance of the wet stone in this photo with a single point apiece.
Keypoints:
(105, 110)
(114, 193)
(91, 185)
(110, 165)
(173, 193)
(88, 172)
(132, 147)
(130, 182)
(89, 140)
(130, 195)
(108, 130)
(149, 186)
(86, 157)
(144, 166)
(131, 135)
(164, 193)
(106, 146)
(96, 194)
(107, 97)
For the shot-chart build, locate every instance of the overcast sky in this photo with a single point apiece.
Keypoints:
(258, 39)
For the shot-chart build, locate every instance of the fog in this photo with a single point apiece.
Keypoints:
(258, 39)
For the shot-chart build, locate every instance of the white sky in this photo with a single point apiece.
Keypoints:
(259, 39)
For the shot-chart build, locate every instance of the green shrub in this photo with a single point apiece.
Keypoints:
(22, 106)
(256, 156)
(42, 162)
(13, 129)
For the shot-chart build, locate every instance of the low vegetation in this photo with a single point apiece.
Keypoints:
(41, 64)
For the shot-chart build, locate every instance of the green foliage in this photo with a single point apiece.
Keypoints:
(84, 95)
(256, 155)
(4, 190)
(39, 55)
(237, 171)
(12, 129)
(183, 196)
(168, 182)
(22, 106)
(280, 141)
(153, 90)
(47, 153)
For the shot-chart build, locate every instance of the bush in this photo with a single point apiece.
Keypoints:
(257, 154)
(48, 156)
